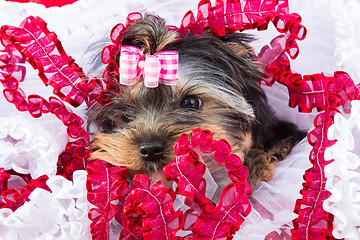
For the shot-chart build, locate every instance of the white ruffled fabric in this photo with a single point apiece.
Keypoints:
(273, 202)
(347, 36)
(343, 174)
(59, 214)
(332, 44)
(29, 147)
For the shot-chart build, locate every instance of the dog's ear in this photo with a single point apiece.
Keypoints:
(150, 34)
(239, 43)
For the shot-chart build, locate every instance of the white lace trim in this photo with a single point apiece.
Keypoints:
(343, 174)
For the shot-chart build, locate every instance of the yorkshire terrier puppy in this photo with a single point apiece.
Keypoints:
(218, 89)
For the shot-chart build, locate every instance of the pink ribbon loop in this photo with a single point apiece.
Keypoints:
(161, 67)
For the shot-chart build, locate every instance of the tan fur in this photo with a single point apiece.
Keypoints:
(116, 150)
(240, 49)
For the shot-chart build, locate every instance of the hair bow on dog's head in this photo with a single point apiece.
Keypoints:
(161, 67)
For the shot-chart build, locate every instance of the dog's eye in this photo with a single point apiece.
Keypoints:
(191, 102)
(126, 118)
(108, 125)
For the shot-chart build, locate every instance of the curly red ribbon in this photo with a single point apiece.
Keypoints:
(148, 212)
(47, 3)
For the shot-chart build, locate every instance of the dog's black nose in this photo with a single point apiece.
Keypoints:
(152, 151)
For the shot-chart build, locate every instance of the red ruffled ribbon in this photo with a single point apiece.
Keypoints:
(147, 212)
(47, 3)
(13, 198)
(231, 16)
(213, 221)
(42, 49)
(105, 184)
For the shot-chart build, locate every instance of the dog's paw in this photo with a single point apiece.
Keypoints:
(261, 166)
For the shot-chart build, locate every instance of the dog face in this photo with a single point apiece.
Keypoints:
(141, 126)
(218, 89)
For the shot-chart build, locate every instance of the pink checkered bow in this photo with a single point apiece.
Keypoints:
(161, 67)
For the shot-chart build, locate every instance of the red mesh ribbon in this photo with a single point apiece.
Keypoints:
(147, 212)
(308, 92)
(213, 221)
(233, 15)
(105, 183)
(12, 198)
(47, 3)
(42, 49)
(4, 177)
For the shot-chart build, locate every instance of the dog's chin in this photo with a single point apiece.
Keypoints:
(153, 171)
(159, 176)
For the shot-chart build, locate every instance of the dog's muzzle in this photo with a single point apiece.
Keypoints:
(152, 151)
